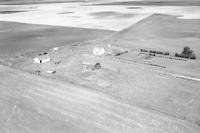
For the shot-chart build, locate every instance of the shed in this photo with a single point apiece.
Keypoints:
(55, 49)
(45, 60)
(51, 72)
(36, 60)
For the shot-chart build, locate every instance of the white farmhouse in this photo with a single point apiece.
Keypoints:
(43, 60)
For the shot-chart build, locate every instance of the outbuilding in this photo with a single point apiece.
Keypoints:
(36, 60)
(55, 49)
(43, 60)
(51, 72)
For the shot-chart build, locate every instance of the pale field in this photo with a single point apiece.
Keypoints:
(32, 104)
(80, 14)
(16, 38)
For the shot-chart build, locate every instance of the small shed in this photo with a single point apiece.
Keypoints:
(87, 66)
(55, 49)
(51, 72)
(36, 60)
(91, 66)
(45, 60)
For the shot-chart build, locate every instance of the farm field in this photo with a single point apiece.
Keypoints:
(20, 38)
(103, 66)
(55, 106)
(126, 77)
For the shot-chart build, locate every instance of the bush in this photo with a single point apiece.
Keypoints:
(178, 55)
(152, 54)
(159, 52)
(193, 57)
(152, 51)
(143, 50)
(166, 53)
(186, 53)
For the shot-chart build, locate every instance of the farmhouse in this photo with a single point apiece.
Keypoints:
(41, 60)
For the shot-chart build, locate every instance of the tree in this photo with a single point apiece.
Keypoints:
(186, 50)
(188, 53)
